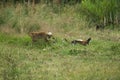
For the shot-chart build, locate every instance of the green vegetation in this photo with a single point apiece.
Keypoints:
(60, 60)
(102, 11)
(22, 60)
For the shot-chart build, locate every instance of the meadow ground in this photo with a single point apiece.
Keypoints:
(20, 59)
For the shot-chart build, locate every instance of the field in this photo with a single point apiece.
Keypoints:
(60, 60)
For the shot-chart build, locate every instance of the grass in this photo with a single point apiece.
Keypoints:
(60, 61)
(23, 60)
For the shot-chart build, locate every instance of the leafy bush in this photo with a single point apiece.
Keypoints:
(102, 11)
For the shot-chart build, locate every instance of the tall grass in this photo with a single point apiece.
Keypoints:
(18, 19)
(102, 11)
(24, 19)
